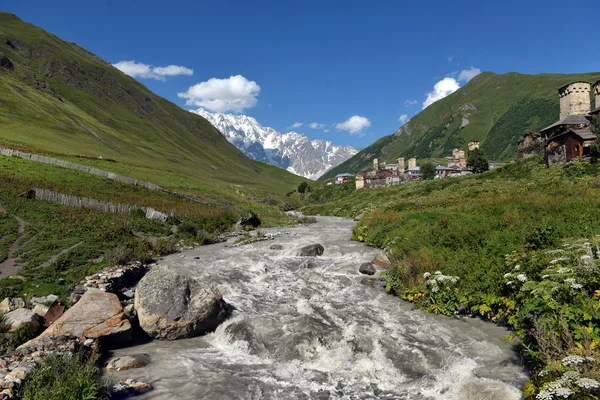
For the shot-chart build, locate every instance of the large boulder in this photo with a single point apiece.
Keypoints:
(173, 305)
(97, 315)
(127, 362)
(11, 304)
(250, 220)
(367, 269)
(312, 250)
(21, 318)
(383, 260)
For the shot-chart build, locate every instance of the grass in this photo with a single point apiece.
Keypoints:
(506, 107)
(464, 243)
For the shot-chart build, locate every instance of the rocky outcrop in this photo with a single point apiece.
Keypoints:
(383, 260)
(312, 250)
(98, 315)
(112, 280)
(21, 318)
(532, 144)
(173, 305)
(5, 63)
(367, 269)
(11, 304)
(127, 362)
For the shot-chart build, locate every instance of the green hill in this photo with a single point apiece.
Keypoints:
(494, 109)
(58, 98)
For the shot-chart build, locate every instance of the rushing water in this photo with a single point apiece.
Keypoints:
(308, 329)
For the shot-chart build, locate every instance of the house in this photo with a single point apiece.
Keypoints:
(473, 145)
(380, 175)
(343, 178)
(458, 159)
(570, 136)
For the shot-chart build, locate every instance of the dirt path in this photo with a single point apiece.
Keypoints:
(9, 266)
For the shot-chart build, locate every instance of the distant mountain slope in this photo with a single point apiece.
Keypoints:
(494, 109)
(292, 151)
(60, 98)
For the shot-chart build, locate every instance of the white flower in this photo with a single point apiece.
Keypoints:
(438, 272)
(586, 258)
(507, 275)
(426, 275)
(509, 283)
(545, 276)
(569, 376)
(576, 286)
(563, 392)
(544, 395)
(522, 278)
(587, 383)
(517, 267)
(435, 289)
(572, 360)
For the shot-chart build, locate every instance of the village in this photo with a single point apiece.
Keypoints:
(568, 138)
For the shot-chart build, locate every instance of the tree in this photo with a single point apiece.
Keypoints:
(477, 161)
(427, 171)
(303, 188)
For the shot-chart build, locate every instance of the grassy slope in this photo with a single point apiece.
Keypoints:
(506, 105)
(58, 94)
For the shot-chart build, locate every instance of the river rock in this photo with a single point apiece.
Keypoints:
(383, 260)
(173, 305)
(276, 247)
(22, 317)
(312, 250)
(11, 304)
(41, 309)
(367, 269)
(129, 387)
(97, 315)
(128, 362)
(45, 300)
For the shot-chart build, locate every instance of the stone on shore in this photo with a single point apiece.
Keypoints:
(367, 269)
(97, 315)
(383, 260)
(11, 304)
(21, 318)
(311, 250)
(173, 305)
(128, 362)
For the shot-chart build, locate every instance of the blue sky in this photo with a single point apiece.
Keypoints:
(350, 68)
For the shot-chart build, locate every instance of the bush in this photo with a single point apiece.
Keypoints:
(542, 237)
(10, 341)
(119, 255)
(164, 246)
(187, 228)
(477, 161)
(428, 171)
(64, 377)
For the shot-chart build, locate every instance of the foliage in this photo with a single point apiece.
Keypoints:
(428, 171)
(9, 341)
(64, 377)
(477, 161)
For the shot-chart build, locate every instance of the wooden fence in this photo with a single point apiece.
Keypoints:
(84, 202)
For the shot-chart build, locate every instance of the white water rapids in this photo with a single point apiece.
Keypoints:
(306, 328)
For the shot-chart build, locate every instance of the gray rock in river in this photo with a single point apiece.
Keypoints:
(312, 250)
(276, 247)
(128, 362)
(367, 269)
(173, 305)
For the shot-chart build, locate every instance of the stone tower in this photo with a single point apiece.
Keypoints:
(473, 144)
(400, 163)
(376, 163)
(574, 99)
(412, 163)
(597, 93)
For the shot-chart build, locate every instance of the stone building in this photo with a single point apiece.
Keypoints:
(381, 174)
(412, 163)
(473, 144)
(570, 136)
(457, 160)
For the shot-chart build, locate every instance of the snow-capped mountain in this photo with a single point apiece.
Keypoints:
(292, 151)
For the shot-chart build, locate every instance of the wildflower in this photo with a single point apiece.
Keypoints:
(553, 262)
(544, 395)
(426, 275)
(507, 275)
(517, 267)
(509, 283)
(590, 359)
(587, 383)
(543, 372)
(572, 360)
(569, 376)
(522, 278)
(563, 392)
(586, 258)
(438, 272)
(435, 289)
(564, 270)
(576, 286)
(545, 276)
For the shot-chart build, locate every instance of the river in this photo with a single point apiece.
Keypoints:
(308, 329)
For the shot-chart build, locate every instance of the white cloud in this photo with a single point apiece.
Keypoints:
(410, 103)
(467, 74)
(450, 58)
(296, 125)
(403, 119)
(316, 125)
(440, 90)
(235, 93)
(354, 124)
(141, 70)
(325, 130)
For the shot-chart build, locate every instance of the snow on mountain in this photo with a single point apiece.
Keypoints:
(291, 151)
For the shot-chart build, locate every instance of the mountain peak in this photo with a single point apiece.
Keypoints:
(292, 151)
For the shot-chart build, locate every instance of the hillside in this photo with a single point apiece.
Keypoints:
(292, 151)
(60, 99)
(494, 109)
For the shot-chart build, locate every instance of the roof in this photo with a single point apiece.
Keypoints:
(595, 111)
(584, 134)
(569, 120)
(344, 174)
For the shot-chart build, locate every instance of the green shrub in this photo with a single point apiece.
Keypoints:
(542, 237)
(119, 255)
(164, 246)
(187, 228)
(64, 377)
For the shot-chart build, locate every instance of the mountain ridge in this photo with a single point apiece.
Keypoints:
(292, 151)
(495, 109)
